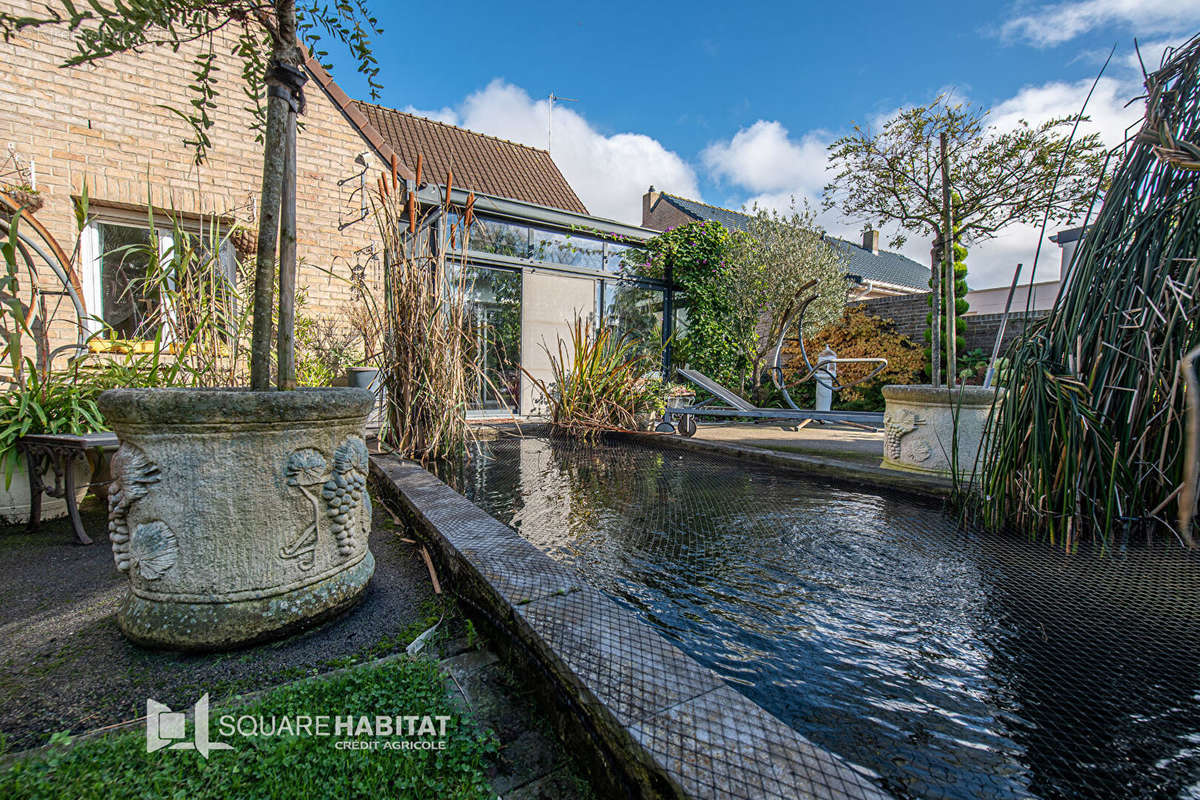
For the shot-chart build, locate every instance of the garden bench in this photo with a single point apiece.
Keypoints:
(58, 451)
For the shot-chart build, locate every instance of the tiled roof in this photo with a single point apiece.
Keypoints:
(884, 266)
(480, 163)
(697, 210)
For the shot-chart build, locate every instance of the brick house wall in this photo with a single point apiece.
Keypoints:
(661, 216)
(104, 125)
(908, 313)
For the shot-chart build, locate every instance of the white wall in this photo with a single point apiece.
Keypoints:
(549, 306)
(991, 301)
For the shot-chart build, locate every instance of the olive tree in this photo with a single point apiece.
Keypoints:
(269, 37)
(785, 259)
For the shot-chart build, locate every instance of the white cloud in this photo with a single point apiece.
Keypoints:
(764, 158)
(444, 114)
(1053, 24)
(1109, 113)
(609, 173)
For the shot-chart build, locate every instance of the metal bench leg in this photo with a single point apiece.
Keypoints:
(36, 488)
(72, 506)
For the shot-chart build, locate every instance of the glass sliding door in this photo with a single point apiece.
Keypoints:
(494, 320)
(635, 310)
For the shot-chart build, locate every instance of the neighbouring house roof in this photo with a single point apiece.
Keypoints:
(480, 163)
(882, 267)
(861, 263)
(698, 210)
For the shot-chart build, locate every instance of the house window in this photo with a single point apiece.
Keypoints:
(130, 298)
(131, 270)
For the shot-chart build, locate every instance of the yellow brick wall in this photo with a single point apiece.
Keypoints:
(105, 124)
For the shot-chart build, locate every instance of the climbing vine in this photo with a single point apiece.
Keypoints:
(697, 258)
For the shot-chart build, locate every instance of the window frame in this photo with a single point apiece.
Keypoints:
(91, 259)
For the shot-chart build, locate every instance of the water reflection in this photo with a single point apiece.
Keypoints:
(951, 663)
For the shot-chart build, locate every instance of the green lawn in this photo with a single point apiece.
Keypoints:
(118, 766)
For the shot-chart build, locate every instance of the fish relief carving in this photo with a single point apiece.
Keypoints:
(345, 494)
(896, 425)
(133, 475)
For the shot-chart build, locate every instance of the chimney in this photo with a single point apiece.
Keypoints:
(871, 241)
(648, 201)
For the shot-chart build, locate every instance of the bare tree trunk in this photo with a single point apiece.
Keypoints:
(285, 52)
(285, 345)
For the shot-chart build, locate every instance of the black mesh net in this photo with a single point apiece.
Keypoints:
(948, 661)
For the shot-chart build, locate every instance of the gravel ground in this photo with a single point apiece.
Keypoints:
(65, 666)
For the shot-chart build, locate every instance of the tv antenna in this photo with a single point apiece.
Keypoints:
(550, 115)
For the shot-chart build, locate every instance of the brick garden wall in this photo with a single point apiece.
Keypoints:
(104, 124)
(908, 316)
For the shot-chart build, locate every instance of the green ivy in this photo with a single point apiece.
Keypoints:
(697, 258)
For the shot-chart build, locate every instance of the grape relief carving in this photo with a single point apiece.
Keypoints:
(345, 493)
(896, 425)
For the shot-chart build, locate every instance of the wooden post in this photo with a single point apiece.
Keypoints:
(948, 280)
(935, 325)
(284, 51)
(285, 344)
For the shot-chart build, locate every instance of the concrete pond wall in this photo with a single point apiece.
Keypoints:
(657, 723)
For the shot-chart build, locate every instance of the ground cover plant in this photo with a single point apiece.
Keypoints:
(118, 765)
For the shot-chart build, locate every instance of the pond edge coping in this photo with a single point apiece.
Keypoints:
(859, 475)
(659, 723)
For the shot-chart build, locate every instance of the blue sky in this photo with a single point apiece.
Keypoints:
(735, 103)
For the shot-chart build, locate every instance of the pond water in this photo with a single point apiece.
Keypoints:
(951, 663)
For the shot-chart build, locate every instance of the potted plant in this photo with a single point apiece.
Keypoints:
(40, 402)
(238, 514)
(369, 379)
(679, 396)
(37, 400)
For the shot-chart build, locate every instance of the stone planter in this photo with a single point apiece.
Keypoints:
(14, 501)
(371, 379)
(238, 515)
(919, 429)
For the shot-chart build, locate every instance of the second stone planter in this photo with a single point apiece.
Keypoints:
(238, 515)
(920, 430)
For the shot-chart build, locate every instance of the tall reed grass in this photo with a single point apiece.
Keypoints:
(1089, 437)
(421, 320)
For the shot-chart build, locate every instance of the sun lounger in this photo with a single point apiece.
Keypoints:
(737, 407)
